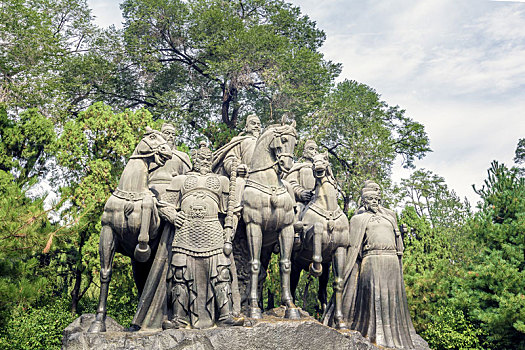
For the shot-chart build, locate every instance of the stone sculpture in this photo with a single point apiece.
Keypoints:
(268, 210)
(324, 237)
(199, 275)
(130, 219)
(152, 308)
(239, 149)
(179, 164)
(236, 156)
(301, 176)
(374, 297)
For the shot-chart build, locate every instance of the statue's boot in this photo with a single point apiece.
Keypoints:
(174, 323)
(298, 228)
(224, 302)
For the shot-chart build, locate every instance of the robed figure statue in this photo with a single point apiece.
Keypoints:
(374, 297)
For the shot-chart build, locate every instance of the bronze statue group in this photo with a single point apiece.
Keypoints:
(184, 224)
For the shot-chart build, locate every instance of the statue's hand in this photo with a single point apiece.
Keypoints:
(242, 170)
(306, 195)
(166, 211)
(179, 219)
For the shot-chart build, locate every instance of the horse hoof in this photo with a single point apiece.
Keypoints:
(97, 327)
(316, 272)
(341, 326)
(133, 328)
(141, 254)
(255, 312)
(292, 313)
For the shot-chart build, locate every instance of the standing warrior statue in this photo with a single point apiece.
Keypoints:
(302, 180)
(374, 297)
(199, 271)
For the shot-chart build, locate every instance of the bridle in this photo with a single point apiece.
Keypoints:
(280, 156)
(154, 150)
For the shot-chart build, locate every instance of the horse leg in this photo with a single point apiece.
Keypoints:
(254, 233)
(322, 296)
(316, 269)
(295, 275)
(107, 252)
(143, 250)
(286, 238)
(339, 264)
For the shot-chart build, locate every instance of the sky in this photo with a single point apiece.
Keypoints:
(456, 66)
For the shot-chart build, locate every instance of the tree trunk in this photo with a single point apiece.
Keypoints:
(346, 205)
(75, 293)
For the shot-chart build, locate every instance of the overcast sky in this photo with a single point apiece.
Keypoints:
(456, 66)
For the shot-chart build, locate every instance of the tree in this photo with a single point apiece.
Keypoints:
(493, 288)
(519, 157)
(207, 61)
(430, 197)
(92, 150)
(364, 136)
(37, 37)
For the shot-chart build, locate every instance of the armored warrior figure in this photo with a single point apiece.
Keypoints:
(199, 272)
(179, 164)
(240, 148)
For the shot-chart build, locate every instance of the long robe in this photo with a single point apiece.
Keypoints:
(374, 297)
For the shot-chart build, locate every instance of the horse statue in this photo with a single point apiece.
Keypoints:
(268, 211)
(325, 237)
(130, 220)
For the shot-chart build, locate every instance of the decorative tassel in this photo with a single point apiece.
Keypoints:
(273, 200)
(331, 225)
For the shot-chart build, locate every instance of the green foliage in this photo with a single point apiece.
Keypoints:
(430, 197)
(38, 37)
(36, 327)
(212, 60)
(93, 149)
(364, 136)
(519, 155)
(493, 288)
(25, 142)
(449, 329)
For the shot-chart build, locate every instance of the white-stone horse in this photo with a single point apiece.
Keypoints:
(325, 237)
(268, 210)
(130, 220)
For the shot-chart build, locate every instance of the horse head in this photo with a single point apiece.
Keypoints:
(321, 165)
(153, 145)
(282, 144)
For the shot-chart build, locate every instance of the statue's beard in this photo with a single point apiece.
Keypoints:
(255, 133)
(374, 208)
(202, 169)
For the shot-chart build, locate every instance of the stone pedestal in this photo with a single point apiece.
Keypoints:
(270, 333)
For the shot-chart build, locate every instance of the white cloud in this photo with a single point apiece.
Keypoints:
(455, 66)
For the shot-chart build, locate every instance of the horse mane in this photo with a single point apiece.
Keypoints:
(280, 129)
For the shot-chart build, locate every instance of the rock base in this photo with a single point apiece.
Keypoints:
(272, 332)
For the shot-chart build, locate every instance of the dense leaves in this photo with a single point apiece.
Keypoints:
(364, 135)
